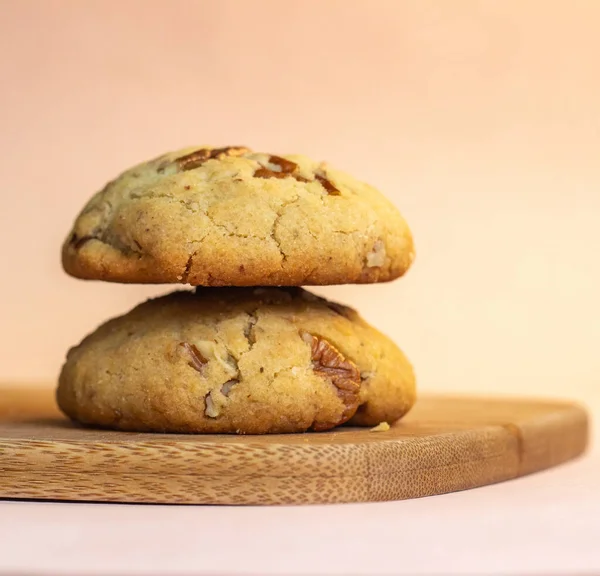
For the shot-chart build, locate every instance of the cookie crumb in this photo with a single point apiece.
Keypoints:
(381, 427)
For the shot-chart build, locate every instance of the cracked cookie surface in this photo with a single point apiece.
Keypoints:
(231, 217)
(236, 360)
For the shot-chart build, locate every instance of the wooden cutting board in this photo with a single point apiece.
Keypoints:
(444, 444)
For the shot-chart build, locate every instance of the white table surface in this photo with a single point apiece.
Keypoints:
(546, 523)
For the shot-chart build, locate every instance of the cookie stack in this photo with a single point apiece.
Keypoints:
(248, 351)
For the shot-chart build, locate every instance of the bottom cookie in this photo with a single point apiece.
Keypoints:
(236, 360)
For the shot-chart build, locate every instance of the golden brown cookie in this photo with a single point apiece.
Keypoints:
(232, 217)
(245, 360)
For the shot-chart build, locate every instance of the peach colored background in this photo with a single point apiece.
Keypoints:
(479, 118)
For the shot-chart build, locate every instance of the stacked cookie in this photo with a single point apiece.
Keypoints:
(248, 351)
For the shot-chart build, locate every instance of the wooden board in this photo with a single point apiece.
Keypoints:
(444, 444)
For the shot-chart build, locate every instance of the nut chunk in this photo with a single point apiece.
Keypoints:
(196, 359)
(280, 168)
(329, 363)
(199, 157)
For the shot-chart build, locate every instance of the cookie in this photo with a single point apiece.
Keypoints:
(236, 360)
(232, 217)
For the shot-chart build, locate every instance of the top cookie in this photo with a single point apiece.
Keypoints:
(232, 217)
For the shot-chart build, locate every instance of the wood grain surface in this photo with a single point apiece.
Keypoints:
(445, 444)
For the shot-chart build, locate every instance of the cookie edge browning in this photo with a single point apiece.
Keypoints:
(116, 267)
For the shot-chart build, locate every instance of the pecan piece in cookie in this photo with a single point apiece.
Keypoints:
(286, 166)
(287, 169)
(199, 157)
(196, 359)
(263, 172)
(376, 257)
(329, 363)
(227, 387)
(329, 187)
